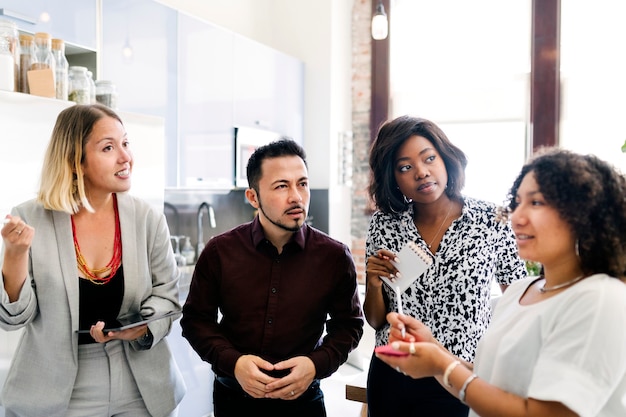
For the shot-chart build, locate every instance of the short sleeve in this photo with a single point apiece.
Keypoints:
(582, 360)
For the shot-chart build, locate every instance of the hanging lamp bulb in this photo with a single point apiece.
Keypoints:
(380, 25)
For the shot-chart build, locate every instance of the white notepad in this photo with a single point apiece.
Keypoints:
(413, 261)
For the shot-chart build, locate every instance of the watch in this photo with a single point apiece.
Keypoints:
(146, 340)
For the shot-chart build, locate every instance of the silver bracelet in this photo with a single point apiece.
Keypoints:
(448, 372)
(464, 387)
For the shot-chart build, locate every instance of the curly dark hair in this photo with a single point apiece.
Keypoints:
(392, 134)
(590, 196)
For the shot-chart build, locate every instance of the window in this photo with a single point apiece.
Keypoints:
(465, 65)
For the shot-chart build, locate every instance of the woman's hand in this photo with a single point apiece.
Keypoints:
(416, 331)
(134, 333)
(380, 265)
(424, 359)
(374, 305)
(17, 235)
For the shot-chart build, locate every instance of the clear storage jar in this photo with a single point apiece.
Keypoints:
(61, 75)
(10, 35)
(27, 52)
(43, 58)
(80, 88)
(106, 93)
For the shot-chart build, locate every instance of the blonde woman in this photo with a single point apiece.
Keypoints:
(84, 255)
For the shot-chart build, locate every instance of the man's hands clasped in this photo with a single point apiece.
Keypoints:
(250, 372)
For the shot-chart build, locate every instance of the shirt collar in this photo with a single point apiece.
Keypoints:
(258, 235)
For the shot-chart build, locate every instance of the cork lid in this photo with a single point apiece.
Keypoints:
(42, 38)
(58, 44)
(26, 38)
(42, 35)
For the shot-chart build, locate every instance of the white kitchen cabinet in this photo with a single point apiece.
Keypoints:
(139, 55)
(268, 89)
(205, 118)
(204, 80)
(74, 21)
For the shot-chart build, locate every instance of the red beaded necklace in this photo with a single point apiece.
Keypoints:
(93, 275)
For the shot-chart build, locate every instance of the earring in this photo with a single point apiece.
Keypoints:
(576, 248)
(406, 199)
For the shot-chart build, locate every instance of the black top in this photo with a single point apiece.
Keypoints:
(99, 302)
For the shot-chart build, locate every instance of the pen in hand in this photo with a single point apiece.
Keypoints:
(399, 302)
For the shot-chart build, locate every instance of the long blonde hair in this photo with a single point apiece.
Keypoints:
(62, 187)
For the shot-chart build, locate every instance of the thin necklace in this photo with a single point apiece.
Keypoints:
(429, 245)
(559, 286)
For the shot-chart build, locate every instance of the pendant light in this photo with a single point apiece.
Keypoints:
(380, 25)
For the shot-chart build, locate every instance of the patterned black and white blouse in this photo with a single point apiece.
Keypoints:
(453, 296)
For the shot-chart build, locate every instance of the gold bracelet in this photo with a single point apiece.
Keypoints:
(464, 387)
(448, 371)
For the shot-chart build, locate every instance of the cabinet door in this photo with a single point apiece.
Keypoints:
(139, 54)
(74, 21)
(206, 135)
(255, 78)
(268, 89)
(288, 98)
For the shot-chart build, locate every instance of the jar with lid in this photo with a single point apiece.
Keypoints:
(61, 75)
(43, 58)
(92, 87)
(106, 93)
(7, 67)
(8, 32)
(80, 88)
(27, 52)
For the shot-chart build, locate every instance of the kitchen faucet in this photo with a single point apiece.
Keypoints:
(211, 213)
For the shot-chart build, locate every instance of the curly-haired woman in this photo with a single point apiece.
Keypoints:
(557, 343)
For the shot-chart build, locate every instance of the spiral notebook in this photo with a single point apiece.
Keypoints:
(413, 261)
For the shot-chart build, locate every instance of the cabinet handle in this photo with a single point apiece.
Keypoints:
(18, 16)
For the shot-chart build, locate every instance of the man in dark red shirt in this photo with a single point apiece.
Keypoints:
(287, 294)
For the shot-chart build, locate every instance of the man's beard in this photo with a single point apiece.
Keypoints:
(279, 224)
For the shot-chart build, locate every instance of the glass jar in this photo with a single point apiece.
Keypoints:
(92, 88)
(106, 93)
(80, 88)
(43, 58)
(7, 66)
(8, 32)
(61, 66)
(27, 52)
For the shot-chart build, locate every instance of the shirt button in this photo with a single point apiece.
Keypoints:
(269, 321)
(273, 290)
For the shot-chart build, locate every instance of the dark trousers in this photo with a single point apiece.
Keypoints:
(390, 393)
(229, 400)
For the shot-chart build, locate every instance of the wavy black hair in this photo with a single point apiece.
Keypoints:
(590, 195)
(284, 146)
(383, 188)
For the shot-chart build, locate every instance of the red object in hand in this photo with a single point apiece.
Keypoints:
(388, 350)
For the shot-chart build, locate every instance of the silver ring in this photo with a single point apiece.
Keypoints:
(412, 348)
(292, 393)
(19, 232)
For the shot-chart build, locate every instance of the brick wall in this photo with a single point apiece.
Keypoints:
(361, 106)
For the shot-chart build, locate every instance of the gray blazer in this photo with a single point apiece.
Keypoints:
(45, 364)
